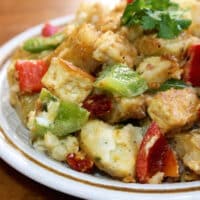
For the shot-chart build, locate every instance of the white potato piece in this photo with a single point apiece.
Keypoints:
(195, 27)
(79, 46)
(174, 109)
(127, 108)
(157, 178)
(67, 81)
(89, 12)
(55, 147)
(150, 45)
(156, 70)
(105, 15)
(112, 149)
(187, 146)
(131, 33)
(66, 146)
(112, 21)
(112, 48)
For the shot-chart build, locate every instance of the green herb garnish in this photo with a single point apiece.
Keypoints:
(171, 83)
(162, 16)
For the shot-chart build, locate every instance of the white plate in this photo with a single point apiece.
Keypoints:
(16, 150)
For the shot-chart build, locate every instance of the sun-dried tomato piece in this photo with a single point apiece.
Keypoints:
(98, 105)
(80, 162)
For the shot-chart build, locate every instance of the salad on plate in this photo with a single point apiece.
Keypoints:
(116, 90)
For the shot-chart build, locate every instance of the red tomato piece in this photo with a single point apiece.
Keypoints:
(30, 73)
(79, 162)
(129, 1)
(170, 164)
(192, 67)
(98, 105)
(155, 155)
(49, 30)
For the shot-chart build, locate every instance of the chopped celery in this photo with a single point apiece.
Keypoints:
(121, 80)
(39, 44)
(59, 117)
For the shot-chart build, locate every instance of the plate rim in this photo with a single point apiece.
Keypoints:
(5, 51)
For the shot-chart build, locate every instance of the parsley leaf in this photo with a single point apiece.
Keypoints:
(163, 17)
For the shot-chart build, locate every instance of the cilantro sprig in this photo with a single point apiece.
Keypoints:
(162, 16)
(171, 83)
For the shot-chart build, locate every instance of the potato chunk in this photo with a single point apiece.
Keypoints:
(150, 45)
(112, 48)
(113, 150)
(187, 146)
(127, 108)
(91, 13)
(104, 15)
(23, 103)
(174, 109)
(195, 27)
(79, 46)
(156, 70)
(67, 81)
(55, 147)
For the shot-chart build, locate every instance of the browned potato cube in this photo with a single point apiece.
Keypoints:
(174, 109)
(67, 81)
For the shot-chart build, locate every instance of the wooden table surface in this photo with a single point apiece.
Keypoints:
(15, 17)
